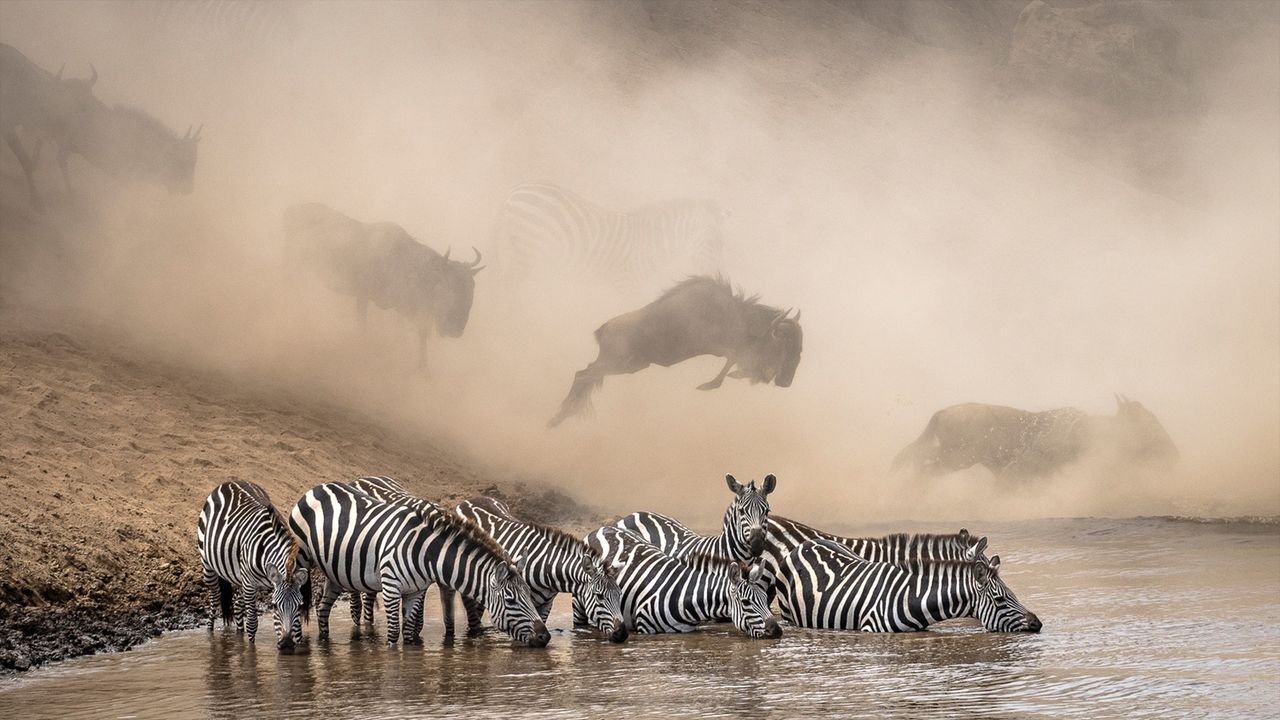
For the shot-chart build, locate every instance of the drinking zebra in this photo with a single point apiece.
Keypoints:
(365, 545)
(742, 536)
(381, 487)
(783, 535)
(662, 594)
(824, 585)
(542, 226)
(245, 547)
(555, 562)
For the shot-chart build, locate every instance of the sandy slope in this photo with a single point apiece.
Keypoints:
(105, 460)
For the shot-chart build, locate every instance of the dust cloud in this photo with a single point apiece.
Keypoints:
(949, 236)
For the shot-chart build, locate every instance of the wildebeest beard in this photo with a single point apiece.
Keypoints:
(453, 295)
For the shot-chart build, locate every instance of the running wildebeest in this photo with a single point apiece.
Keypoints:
(1019, 444)
(700, 316)
(45, 106)
(380, 262)
(123, 141)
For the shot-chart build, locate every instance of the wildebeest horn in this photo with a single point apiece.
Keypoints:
(477, 260)
(187, 136)
(93, 78)
(197, 135)
(447, 251)
(797, 318)
(59, 75)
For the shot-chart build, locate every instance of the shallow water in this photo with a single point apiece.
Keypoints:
(1142, 617)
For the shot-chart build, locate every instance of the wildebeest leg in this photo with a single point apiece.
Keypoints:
(28, 165)
(585, 381)
(719, 379)
(422, 350)
(63, 153)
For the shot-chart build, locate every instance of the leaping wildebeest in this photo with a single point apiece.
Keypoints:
(700, 316)
(382, 263)
(1019, 444)
(46, 106)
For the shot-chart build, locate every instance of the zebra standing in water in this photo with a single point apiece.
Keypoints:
(364, 545)
(825, 585)
(381, 487)
(556, 562)
(662, 594)
(542, 226)
(742, 536)
(784, 535)
(245, 547)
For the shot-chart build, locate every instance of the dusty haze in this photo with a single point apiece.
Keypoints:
(950, 236)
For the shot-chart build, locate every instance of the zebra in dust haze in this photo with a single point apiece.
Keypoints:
(381, 487)
(555, 562)
(245, 546)
(824, 585)
(542, 227)
(365, 545)
(663, 594)
(742, 536)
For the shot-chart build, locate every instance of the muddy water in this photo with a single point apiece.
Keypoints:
(1146, 617)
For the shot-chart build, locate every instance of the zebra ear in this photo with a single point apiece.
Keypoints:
(982, 545)
(770, 482)
(733, 484)
(273, 574)
(301, 575)
(995, 563)
(964, 536)
(755, 573)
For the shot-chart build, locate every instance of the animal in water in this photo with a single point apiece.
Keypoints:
(364, 545)
(1016, 444)
(555, 562)
(824, 585)
(784, 535)
(46, 106)
(662, 594)
(699, 316)
(245, 546)
(742, 534)
(383, 264)
(543, 228)
(381, 487)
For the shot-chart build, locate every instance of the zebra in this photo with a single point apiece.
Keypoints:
(662, 594)
(365, 545)
(381, 487)
(245, 546)
(824, 585)
(742, 536)
(783, 535)
(556, 562)
(543, 225)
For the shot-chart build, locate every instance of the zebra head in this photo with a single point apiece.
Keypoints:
(511, 607)
(291, 598)
(749, 602)
(748, 514)
(995, 605)
(603, 598)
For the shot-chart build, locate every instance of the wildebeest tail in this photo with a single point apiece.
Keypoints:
(913, 452)
(225, 597)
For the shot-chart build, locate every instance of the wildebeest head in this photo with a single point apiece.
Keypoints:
(1141, 436)
(450, 297)
(781, 353)
(748, 514)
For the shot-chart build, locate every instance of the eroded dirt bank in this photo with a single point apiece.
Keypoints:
(106, 457)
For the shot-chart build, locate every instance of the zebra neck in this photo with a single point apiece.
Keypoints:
(727, 544)
(942, 591)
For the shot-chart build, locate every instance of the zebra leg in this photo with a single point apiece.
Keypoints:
(250, 611)
(391, 603)
(28, 166)
(215, 596)
(357, 612)
(412, 632)
(330, 596)
(446, 609)
(579, 613)
(475, 612)
(544, 611)
(715, 382)
(370, 604)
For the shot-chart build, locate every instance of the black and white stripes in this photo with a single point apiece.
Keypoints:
(245, 547)
(742, 535)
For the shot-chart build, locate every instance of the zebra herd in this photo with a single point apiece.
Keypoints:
(647, 573)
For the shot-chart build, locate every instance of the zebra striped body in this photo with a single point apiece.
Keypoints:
(742, 536)
(381, 487)
(542, 226)
(824, 585)
(245, 547)
(663, 594)
(784, 535)
(555, 562)
(365, 545)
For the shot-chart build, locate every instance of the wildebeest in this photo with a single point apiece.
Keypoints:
(700, 316)
(46, 106)
(380, 262)
(1018, 444)
(126, 142)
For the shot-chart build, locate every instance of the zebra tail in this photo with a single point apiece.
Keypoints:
(226, 596)
(305, 612)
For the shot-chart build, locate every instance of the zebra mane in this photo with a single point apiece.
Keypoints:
(717, 281)
(144, 120)
(709, 561)
(469, 531)
(260, 497)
